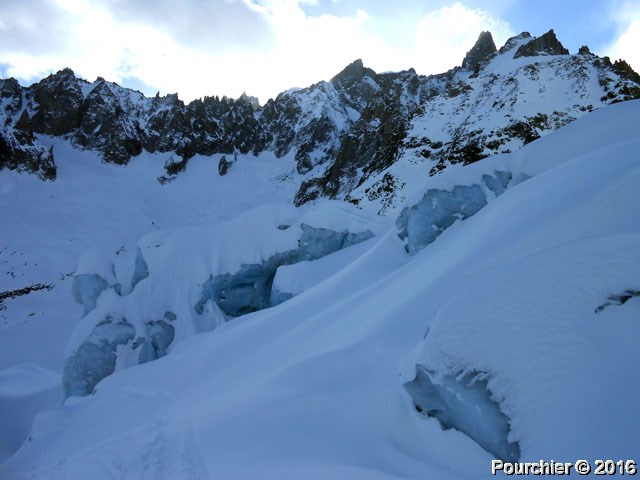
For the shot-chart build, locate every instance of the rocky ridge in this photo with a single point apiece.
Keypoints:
(354, 137)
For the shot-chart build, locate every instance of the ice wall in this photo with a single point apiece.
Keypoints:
(420, 224)
(464, 402)
(250, 289)
(96, 357)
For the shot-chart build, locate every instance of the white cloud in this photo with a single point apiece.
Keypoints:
(446, 35)
(627, 19)
(225, 47)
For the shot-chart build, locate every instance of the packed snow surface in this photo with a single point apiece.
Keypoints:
(520, 297)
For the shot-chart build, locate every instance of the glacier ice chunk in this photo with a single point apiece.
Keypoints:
(94, 274)
(466, 404)
(96, 357)
(420, 224)
(86, 289)
(497, 183)
(250, 289)
(317, 242)
(159, 336)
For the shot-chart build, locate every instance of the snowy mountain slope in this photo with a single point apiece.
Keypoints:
(530, 293)
(362, 136)
(508, 103)
(46, 227)
(120, 123)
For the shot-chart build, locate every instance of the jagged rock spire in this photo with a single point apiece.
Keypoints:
(481, 51)
(545, 44)
(352, 73)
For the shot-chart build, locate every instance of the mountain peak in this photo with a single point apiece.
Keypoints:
(513, 41)
(547, 44)
(352, 73)
(481, 51)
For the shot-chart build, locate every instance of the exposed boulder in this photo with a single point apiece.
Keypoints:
(223, 166)
(584, 50)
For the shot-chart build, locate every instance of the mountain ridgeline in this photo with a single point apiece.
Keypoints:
(349, 136)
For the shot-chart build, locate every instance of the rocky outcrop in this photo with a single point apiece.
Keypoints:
(59, 100)
(547, 44)
(374, 141)
(484, 49)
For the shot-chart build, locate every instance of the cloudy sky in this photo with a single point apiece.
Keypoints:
(225, 47)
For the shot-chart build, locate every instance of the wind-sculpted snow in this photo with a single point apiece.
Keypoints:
(293, 279)
(422, 223)
(25, 390)
(194, 279)
(140, 269)
(464, 402)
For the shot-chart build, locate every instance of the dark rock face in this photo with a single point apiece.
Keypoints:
(481, 52)
(59, 99)
(18, 148)
(546, 44)
(623, 69)
(375, 139)
(356, 84)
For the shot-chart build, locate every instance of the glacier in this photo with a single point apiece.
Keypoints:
(236, 280)
(518, 361)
